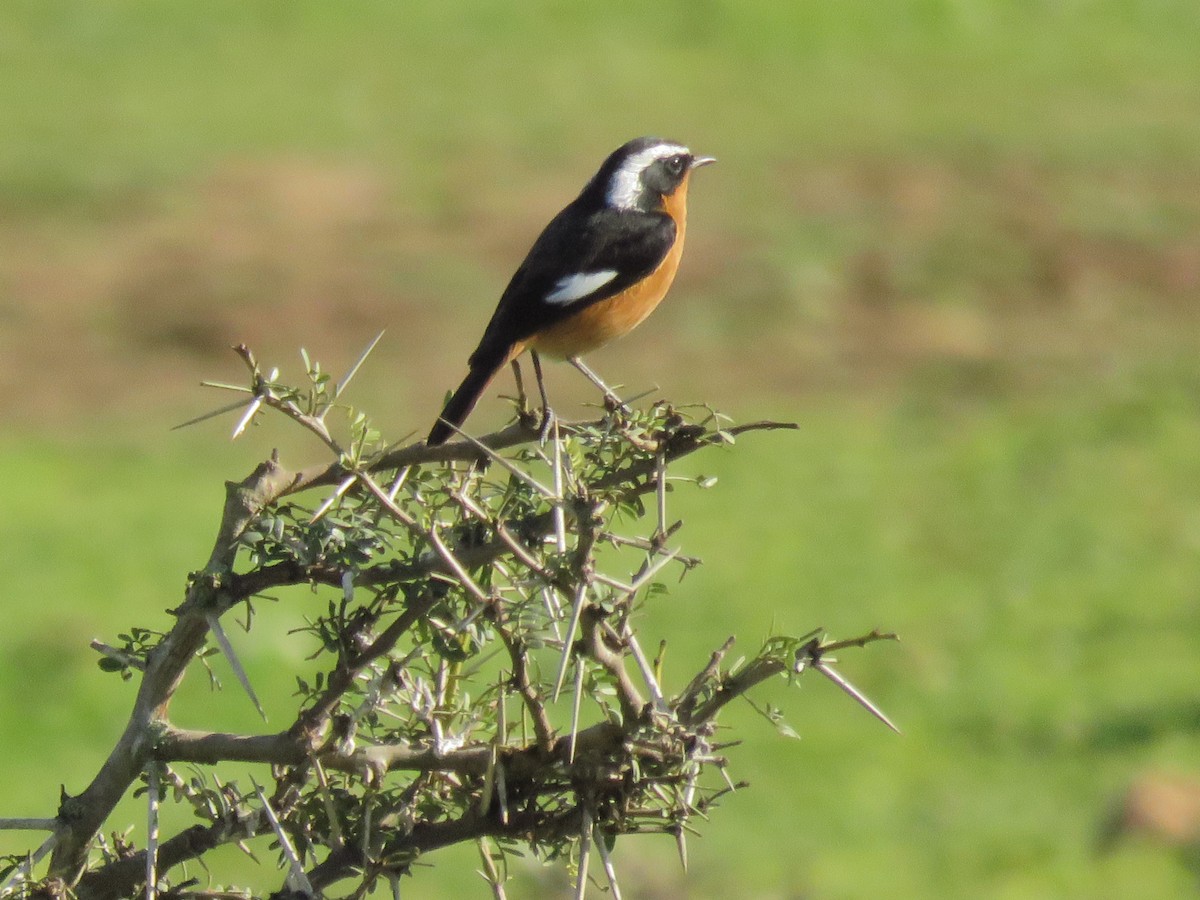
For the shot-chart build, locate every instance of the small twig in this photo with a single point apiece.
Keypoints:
(519, 657)
(553, 610)
(756, 672)
(490, 873)
(648, 571)
(686, 701)
(367, 820)
(488, 791)
(519, 550)
(456, 567)
(501, 715)
(620, 540)
(335, 827)
(615, 583)
(129, 660)
(29, 824)
(593, 638)
(869, 638)
(505, 464)
(387, 500)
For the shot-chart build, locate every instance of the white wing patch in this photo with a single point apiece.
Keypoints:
(577, 286)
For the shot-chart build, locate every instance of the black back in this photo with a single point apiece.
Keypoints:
(583, 238)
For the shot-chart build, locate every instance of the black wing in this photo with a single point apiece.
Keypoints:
(629, 242)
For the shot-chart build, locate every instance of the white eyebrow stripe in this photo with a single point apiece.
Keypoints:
(626, 184)
(577, 286)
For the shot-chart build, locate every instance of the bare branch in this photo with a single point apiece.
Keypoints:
(409, 681)
(521, 678)
(686, 702)
(755, 673)
(82, 816)
(28, 824)
(593, 641)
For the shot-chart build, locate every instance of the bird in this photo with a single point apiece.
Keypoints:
(595, 272)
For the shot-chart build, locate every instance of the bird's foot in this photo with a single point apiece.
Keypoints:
(530, 419)
(548, 420)
(614, 404)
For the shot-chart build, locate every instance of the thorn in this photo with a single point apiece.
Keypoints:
(237, 404)
(296, 879)
(218, 631)
(585, 845)
(505, 464)
(244, 421)
(341, 385)
(502, 791)
(335, 828)
(575, 704)
(22, 872)
(569, 639)
(333, 498)
(635, 650)
(606, 860)
(152, 798)
(660, 490)
(254, 406)
(560, 513)
(854, 692)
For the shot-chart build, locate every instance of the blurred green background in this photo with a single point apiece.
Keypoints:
(957, 242)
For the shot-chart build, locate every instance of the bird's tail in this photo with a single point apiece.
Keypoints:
(460, 404)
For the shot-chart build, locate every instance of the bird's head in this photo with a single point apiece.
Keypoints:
(641, 173)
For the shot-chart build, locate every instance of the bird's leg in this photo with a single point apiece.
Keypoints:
(611, 400)
(525, 415)
(547, 412)
(522, 399)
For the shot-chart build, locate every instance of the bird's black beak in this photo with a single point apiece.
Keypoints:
(699, 161)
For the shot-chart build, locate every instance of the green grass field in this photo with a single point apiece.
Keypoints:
(957, 242)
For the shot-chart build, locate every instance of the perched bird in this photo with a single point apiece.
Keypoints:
(598, 269)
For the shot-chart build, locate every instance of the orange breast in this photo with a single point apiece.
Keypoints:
(601, 322)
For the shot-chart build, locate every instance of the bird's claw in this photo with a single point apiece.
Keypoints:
(548, 420)
(614, 404)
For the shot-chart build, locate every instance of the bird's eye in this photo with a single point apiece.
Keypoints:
(675, 164)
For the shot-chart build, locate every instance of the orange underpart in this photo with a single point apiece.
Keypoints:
(601, 322)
